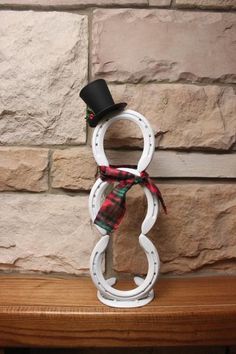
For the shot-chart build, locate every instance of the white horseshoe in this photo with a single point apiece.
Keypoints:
(141, 121)
(130, 298)
(142, 294)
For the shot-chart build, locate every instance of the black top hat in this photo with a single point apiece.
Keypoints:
(98, 97)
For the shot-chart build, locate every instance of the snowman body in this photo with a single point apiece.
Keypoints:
(143, 293)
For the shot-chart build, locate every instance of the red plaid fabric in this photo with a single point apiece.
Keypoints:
(113, 208)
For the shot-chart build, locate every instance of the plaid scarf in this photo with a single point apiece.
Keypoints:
(113, 208)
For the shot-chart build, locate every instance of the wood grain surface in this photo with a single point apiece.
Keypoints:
(64, 312)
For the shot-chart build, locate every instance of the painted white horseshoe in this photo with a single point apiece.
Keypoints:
(141, 121)
(143, 293)
(130, 298)
(106, 293)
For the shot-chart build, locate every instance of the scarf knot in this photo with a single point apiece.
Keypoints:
(113, 208)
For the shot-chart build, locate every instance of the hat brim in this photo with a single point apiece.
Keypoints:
(115, 107)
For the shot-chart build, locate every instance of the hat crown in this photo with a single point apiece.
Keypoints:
(97, 96)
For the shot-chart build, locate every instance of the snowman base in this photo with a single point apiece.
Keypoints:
(113, 297)
(126, 303)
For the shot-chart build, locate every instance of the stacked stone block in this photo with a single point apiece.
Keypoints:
(173, 61)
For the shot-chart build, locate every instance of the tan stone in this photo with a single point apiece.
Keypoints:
(163, 45)
(23, 169)
(43, 67)
(199, 230)
(69, 3)
(183, 116)
(73, 169)
(207, 4)
(45, 232)
(218, 268)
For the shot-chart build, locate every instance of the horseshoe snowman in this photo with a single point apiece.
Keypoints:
(106, 215)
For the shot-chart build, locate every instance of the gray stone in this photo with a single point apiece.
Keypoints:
(180, 164)
(45, 232)
(159, 3)
(43, 67)
(207, 4)
(69, 4)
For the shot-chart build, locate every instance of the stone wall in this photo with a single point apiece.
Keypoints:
(173, 61)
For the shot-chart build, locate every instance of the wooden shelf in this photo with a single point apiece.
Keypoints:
(59, 312)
